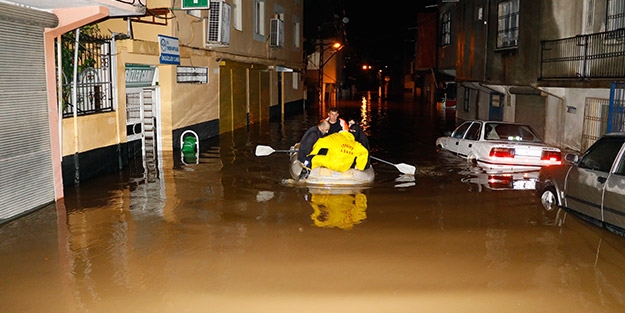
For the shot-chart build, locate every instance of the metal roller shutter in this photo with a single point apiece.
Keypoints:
(26, 176)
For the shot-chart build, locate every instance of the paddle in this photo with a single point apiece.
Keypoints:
(262, 150)
(402, 167)
(267, 150)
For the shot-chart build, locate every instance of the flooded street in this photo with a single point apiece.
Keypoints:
(229, 235)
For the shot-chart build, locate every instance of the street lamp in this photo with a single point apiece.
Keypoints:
(337, 46)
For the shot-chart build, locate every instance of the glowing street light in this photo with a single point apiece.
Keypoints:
(337, 46)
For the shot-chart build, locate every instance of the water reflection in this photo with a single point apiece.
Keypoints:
(337, 207)
(405, 180)
(479, 179)
(224, 233)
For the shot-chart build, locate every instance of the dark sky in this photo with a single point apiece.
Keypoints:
(376, 32)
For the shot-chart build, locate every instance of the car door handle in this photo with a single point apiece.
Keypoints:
(457, 143)
(470, 145)
(601, 180)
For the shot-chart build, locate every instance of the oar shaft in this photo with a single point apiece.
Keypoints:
(378, 159)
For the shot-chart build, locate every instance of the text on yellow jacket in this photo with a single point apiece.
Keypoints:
(338, 151)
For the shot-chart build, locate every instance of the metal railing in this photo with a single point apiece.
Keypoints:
(94, 81)
(600, 55)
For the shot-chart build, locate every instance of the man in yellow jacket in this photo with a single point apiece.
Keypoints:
(339, 152)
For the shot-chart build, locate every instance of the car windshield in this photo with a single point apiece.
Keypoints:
(510, 132)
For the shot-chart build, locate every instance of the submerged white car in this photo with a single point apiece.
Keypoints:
(500, 146)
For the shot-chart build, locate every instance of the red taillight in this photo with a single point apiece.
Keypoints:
(502, 152)
(552, 157)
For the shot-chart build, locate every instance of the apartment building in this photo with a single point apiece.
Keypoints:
(553, 64)
(145, 74)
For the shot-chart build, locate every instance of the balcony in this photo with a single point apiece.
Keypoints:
(584, 57)
(117, 8)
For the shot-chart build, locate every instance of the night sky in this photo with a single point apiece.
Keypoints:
(379, 33)
(376, 30)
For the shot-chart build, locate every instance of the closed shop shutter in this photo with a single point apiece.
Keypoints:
(26, 176)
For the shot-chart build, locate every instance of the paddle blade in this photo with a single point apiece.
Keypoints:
(264, 150)
(406, 169)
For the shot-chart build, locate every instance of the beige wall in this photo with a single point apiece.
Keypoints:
(183, 105)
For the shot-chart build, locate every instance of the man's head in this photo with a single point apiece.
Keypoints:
(324, 127)
(333, 114)
(353, 126)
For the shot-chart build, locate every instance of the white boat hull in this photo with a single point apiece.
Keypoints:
(328, 177)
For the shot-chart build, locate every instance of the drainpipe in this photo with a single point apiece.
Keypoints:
(59, 90)
(75, 102)
(560, 111)
(485, 16)
(114, 93)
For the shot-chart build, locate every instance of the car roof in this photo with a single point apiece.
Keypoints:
(615, 134)
(499, 122)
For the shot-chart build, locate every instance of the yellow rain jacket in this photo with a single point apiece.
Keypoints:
(341, 149)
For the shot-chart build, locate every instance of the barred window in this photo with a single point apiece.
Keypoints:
(507, 24)
(616, 14)
(445, 29)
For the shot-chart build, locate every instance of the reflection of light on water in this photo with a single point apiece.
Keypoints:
(365, 114)
(338, 208)
(263, 196)
(405, 181)
(497, 180)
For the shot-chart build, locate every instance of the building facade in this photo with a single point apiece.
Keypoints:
(145, 75)
(205, 70)
(552, 64)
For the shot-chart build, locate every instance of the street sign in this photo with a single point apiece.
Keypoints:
(169, 49)
(195, 4)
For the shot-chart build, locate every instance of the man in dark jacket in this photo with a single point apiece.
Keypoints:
(360, 136)
(307, 142)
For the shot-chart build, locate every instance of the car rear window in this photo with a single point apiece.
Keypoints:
(513, 132)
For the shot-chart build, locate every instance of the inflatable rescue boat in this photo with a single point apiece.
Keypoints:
(325, 176)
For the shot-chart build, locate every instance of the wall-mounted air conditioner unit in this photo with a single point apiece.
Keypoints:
(276, 32)
(218, 24)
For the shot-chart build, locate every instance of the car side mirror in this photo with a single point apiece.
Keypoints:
(571, 158)
(448, 134)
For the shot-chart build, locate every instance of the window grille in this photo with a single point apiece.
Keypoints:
(94, 80)
(508, 24)
(445, 29)
(615, 15)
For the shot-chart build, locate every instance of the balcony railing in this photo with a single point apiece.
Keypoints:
(600, 55)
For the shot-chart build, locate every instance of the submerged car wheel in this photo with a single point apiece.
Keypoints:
(548, 199)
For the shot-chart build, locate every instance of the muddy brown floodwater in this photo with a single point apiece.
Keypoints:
(227, 235)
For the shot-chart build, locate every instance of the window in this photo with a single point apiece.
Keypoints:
(295, 78)
(507, 24)
(601, 155)
(616, 15)
(465, 101)
(459, 132)
(237, 16)
(620, 169)
(474, 131)
(296, 31)
(445, 29)
(259, 18)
